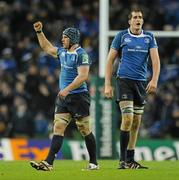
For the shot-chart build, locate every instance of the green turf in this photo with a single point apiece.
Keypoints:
(71, 170)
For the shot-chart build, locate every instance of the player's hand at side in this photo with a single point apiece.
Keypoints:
(38, 26)
(151, 87)
(108, 91)
(63, 93)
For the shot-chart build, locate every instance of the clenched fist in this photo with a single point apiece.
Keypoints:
(38, 26)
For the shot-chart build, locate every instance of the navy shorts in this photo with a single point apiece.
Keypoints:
(77, 104)
(131, 90)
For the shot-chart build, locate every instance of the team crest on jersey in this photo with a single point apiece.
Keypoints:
(146, 40)
(84, 58)
(138, 47)
(127, 40)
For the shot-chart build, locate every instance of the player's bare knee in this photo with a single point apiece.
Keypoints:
(127, 116)
(59, 128)
(61, 121)
(83, 129)
(85, 133)
(83, 126)
(126, 124)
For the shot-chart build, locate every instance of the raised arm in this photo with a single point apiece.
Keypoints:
(43, 41)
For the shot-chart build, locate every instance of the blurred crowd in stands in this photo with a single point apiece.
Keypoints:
(29, 77)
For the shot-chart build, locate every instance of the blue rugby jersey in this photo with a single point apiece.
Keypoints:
(70, 61)
(134, 53)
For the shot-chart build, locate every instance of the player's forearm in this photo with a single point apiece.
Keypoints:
(156, 69)
(77, 82)
(43, 41)
(109, 66)
(108, 73)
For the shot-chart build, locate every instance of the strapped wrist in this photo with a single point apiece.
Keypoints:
(40, 31)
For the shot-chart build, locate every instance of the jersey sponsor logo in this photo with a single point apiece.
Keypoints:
(138, 50)
(138, 47)
(147, 40)
(133, 50)
(65, 66)
(127, 40)
(85, 59)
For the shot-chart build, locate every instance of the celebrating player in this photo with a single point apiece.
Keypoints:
(73, 100)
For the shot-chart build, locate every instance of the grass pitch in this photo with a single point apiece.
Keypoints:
(72, 170)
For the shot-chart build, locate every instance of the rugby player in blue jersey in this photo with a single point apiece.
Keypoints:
(73, 100)
(135, 45)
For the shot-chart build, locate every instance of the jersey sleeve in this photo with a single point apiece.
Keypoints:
(116, 43)
(83, 59)
(59, 51)
(153, 42)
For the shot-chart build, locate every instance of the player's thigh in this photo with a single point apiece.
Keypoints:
(124, 91)
(79, 104)
(60, 106)
(62, 116)
(61, 121)
(140, 93)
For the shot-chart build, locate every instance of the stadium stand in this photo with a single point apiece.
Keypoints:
(29, 78)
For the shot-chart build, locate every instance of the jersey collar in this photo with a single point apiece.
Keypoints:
(74, 51)
(133, 35)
